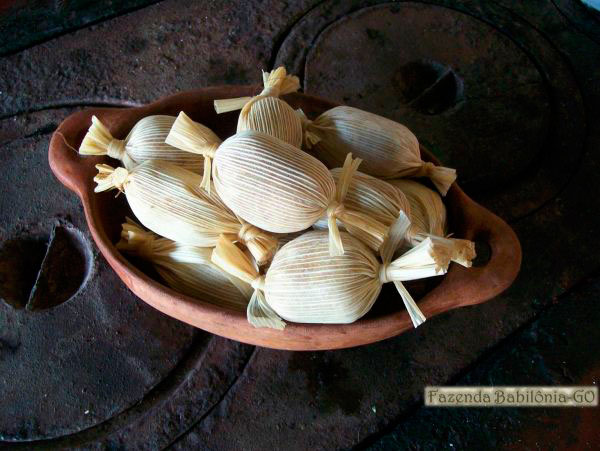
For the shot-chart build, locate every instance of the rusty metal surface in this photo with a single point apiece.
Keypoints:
(507, 98)
(28, 23)
(506, 91)
(553, 350)
(141, 56)
(76, 364)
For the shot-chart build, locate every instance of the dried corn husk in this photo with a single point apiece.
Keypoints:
(167, 199)
(429, 208)
(145, 141)
(383, 201)
(281, 189)
(306, 284)
(428, 218)
(187, 269)
(388, 148)
(195, 138)
(266, 112)
(374, 198)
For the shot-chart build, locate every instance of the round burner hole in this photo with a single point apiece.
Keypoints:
(428, 87)
(40, 272)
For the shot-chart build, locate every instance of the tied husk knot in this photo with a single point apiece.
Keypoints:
(336, 246)
(268, 91)
(276, 83)
(99, 141)
(384, 275)
(134, 238)
(248, 233)
(261, 245)
(116, 149)
(227, 256)
(426, 169)
(440, 176)
(336, 207)
(310, 138)
(109, 178)
(258, 283)
(191, 136)
(337, 210)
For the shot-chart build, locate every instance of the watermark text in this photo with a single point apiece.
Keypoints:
(511, 396)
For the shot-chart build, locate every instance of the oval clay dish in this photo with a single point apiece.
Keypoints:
(104, 214)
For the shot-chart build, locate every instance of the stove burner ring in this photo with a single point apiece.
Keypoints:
(428, 87)
(38, 272)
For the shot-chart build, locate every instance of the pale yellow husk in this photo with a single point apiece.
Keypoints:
(281, 189)
(388, 148)
(266, 112)
(145, 141)
(374, 198)
(195, 138)
(383, 201)
(428, 218)
(187, 269)
(168, 200)
(306, 284)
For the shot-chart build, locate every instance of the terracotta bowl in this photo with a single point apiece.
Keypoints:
(105, 213)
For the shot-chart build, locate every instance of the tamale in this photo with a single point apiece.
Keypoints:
(428, 219)
(281, 189)
(305, 284)
(167, 199)
(145, 141)
(383, 201)
(266, 112)
(187, 269)
(388, 148)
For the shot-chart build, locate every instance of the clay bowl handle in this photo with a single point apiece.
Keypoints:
(496, 267)
(493, 272)
(71, 169)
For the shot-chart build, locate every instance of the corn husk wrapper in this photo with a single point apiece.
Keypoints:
(428, 219)
(187, 269)
(145, 141)
(195, 138)
(167, 199)
(266, 112)
(305, 284)
(374, 198)
(383, 202)
(388, 148)
(282, 189)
